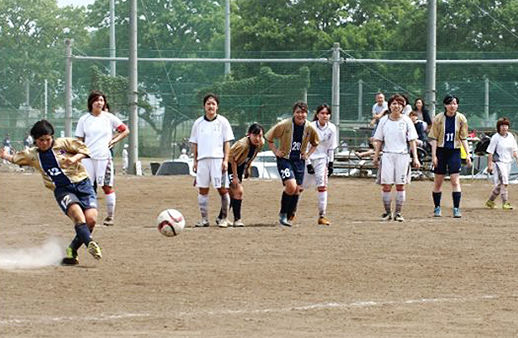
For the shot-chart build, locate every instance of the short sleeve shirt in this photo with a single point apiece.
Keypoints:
(97, 132)
(504, 146)
(210, 136)
(395, 134)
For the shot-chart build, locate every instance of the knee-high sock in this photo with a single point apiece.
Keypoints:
(111, 199)
(495, 192)
(236, 208)
(83, 233)
(504, 193)
(285, 201)
(293, 205)
(203, 203)
(400, 199)
(77, 242)
(456, 195)
(437, 198)
(322, 202)
(225, 202)
(386, 196)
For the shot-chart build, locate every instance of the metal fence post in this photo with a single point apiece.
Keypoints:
(335, 89)
(68, 88)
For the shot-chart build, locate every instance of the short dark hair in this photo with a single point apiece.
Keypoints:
(41, 128)
(255, 128)
(449, 98)
(300, 105)
(320, 108)
(396, 97)
(208, 96)
(413, 113)
(93, 97)
(501, 121)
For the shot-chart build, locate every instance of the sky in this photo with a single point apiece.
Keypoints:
(77, 3)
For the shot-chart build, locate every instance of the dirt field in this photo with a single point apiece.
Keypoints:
(359, 277)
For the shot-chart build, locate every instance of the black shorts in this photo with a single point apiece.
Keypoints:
(240, 172)
(448, 161)
(291, 169)
(81, 193)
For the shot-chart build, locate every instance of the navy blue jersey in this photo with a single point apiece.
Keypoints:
(296, 141)
(50, 166)
(449, 132)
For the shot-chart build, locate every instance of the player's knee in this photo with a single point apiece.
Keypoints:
(107, 189)
(222, 191)
(386, 188)
(400, 187)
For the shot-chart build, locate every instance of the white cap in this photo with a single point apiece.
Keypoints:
(126, 146)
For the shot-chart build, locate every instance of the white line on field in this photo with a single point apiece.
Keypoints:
(309, 307)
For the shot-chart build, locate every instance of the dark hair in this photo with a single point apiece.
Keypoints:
(300, 105)
(255, 128)
(448, 99)
(501, 121)
(413, 113)
(405, 96)
(208, 96)
(320, 108)
(396, 97)
(41, 128)
(419, 99)
(93, 97)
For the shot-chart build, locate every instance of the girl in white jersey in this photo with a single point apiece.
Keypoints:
(320, 164)
(96, 130)
(501, 150)
(394, 132)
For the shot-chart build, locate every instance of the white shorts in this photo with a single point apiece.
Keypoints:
(209, 171)
(100, 171)
(501, 173)
(319, 178)
(394, 169)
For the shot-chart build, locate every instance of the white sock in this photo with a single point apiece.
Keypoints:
(110, 203)
(322, 202)
(203, 203)
(225, 203)
(400, 199)
(387, 200)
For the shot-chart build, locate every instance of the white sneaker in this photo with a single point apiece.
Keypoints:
(203, 223)
(239, 223)
(222, 223)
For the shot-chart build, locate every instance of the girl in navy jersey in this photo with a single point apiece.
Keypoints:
(59, 162)
(449, 132)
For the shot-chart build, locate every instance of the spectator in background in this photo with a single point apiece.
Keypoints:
(419, 127)
(28, 141)
(7, 146)
(125, 159)
(422, 113)
(378, 109)
(408, 108)
(183, 156)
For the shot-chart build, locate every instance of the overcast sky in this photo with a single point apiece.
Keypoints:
(62, 3)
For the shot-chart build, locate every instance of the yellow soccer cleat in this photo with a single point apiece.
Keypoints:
(507, 206)
(322, 220)
(490, 204)
(95, 250)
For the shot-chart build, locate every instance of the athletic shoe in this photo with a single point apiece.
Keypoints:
(398, 217)
(203, 223)
(491, 204)
(108, 221)
(95, 250)
(323, 220)
(238, 223)
(70, 257)
(437, 212)
(507, 206)
(387, 216)
(456, 213)
(222, 222)
(283, 220)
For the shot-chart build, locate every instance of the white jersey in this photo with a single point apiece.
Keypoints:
(376, 108)
(327, 137)
(395, 134)
(210, 136)
(97, 132)
(503, 146)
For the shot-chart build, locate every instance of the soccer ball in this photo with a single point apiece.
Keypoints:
(170, 222)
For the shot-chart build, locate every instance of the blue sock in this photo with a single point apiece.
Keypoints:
(437, 198)
(83, 233)
(76, 242)
(293, 205)
(285, 201)
(456, 198)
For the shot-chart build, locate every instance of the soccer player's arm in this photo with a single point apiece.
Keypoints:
(432, 139)
(77, 148)
(463, 135)
(121, 132)
(270, 136)
(490, 150)
(314, 140)
(413, 137)
(226, 151)
(376, 142)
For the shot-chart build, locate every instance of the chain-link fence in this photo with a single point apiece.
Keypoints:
(170, 93)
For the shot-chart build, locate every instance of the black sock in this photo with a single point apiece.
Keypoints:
(293, 205)
(83, 233)
(76, 243)
(437, 198)
(236, 208)
(456, 198)
(285, 201)
(220, 216)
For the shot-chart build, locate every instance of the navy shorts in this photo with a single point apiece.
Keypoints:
(240, 171)
(81, 193)
(291, 169)
(448, 161)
